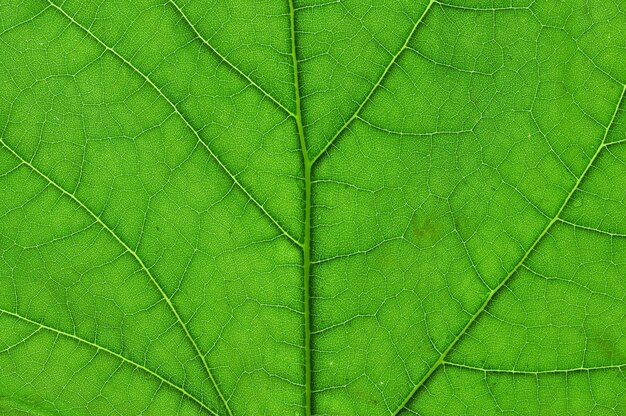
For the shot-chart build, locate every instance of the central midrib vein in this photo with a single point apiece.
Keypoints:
(306, 246)
(308, 163)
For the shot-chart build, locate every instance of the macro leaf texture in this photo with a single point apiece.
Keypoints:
(312, 207)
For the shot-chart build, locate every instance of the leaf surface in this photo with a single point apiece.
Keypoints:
(311, 207)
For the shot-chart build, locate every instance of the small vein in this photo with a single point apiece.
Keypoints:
(225, 60)
(232, 176)
(615, 142)
(23, 22)
(440, 361)
(415, 134)
(135, 256)
(483, 9)
(110, 352)
(596, 230)
(376, 85)
(534, 373)
(360, 251)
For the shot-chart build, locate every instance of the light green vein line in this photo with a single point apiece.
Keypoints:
(136, 257)
(480, 9)
(519, 264)
(308, 374)
(615, 142)
(376, 85)
(23, 22)
(230, 64)
(595, 230)
(534, 373)
(113, 353)
(232, 176)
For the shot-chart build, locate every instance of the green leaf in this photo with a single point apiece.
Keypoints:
(312, 207)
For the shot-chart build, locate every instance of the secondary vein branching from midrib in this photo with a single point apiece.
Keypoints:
(442, 357)
(378, 83)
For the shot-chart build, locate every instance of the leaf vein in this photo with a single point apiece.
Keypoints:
(306, 247)
(524, 372)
